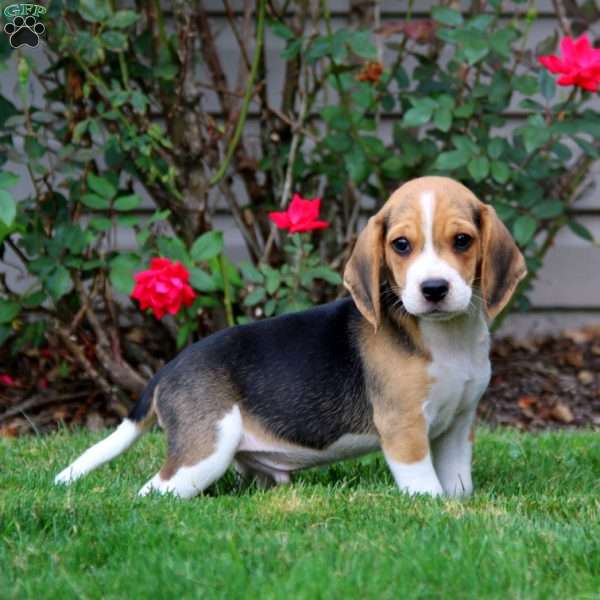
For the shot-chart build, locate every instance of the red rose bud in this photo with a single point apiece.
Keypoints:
(579, 65)
(301, 215)
(164, 287)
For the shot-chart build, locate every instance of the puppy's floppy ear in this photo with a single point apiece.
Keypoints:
(502, 264)
(363, 270)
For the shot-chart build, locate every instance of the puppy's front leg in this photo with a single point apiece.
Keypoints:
(406, 450)
(452, 456)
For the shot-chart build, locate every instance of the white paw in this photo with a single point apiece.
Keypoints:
(155, 486)
(433, 490)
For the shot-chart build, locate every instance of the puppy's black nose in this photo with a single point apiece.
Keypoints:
(434, 290)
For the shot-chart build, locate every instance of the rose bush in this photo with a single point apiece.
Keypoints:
(122, 138)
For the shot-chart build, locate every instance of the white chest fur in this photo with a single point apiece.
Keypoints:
(460, 368)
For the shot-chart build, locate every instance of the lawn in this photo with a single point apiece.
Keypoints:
(532, 530)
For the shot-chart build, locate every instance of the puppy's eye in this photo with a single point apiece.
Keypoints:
(402, 246)
(462, 242)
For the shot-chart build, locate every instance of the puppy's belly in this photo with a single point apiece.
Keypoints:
(266, 455)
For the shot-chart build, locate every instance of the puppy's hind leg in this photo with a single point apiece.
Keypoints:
(208, 465)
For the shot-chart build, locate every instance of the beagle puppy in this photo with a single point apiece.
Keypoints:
(399, 366)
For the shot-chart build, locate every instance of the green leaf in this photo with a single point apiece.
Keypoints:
(319, 47)
(183, 334)
(495, 148)
(526, 84)
(201, 280)
(361, 43)
(443, 119)
(92, 10)
(122, 269)
(465, 110)
(122, 19)
(128, 220)
(282, 31)
(357, 164)
(33, 148)
(114, 40)
(448, 161)
(128, 202)
(500, 42)
(95, 201)
(374, 147)
(251, 273)
(8, 180)
(59, 282)
(207, 246)
(534, 137)
(173, 248)
(392, 167)
(476, 48)
(33, 300)
(500, 171)
(524, 229)
(581, 231)
(292, 50)
(335, 117)
(325, 273)
(101, 186)
(446, 16)
(273, 280)
(80, 129)
(255, 296)
(548, 209)
(417, 116)
(589, 149)
(338, 142)
(270, 307)
(8, 310)
(8, 208)
(547, 84)
(479, 167)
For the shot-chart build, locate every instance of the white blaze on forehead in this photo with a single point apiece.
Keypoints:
(427, 202)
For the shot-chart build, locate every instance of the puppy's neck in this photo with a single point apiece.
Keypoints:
(464, 332)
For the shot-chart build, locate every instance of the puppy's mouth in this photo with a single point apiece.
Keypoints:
(437, 314)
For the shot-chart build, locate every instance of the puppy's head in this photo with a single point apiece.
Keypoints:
(435, 242)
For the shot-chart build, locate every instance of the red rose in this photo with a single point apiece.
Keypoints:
(7, 380)
(164, 287)
(579, 65)
(301, 215)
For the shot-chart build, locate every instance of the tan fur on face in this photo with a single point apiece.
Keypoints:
(456, 210)
(493, 260)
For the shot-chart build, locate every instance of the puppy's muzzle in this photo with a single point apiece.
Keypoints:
(435, 290)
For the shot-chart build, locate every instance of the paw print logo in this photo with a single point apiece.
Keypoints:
(24, 32)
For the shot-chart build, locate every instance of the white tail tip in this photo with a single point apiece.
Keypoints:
(107, 449)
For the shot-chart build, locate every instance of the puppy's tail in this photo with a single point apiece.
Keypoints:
(140, 419)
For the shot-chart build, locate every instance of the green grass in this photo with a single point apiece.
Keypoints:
(532, 529)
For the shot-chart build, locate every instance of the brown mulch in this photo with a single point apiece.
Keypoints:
(541, 383)
(545, 383)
